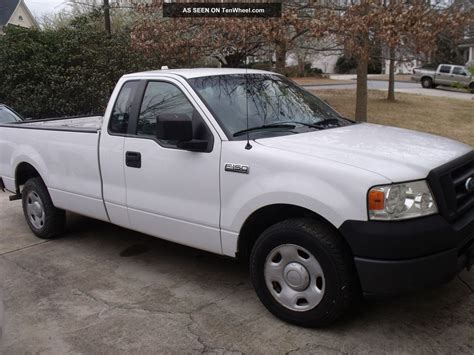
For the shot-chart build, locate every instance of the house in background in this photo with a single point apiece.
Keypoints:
(467, 44)
(15, 12)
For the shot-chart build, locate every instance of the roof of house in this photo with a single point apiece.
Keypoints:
(7, 7)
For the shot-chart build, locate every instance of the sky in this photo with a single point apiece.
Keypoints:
(43, 7)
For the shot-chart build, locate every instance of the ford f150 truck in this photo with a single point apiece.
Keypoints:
(248, 164)
(446, 75)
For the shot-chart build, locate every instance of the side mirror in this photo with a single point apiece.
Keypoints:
(174, 127)
(179, 128)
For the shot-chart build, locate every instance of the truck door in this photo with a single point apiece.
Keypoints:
(443, 75)
(172, 193)
(460, 75)
(111, 147)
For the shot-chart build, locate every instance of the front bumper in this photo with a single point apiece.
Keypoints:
(404, 256)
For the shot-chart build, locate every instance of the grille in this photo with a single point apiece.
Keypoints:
(448, 183)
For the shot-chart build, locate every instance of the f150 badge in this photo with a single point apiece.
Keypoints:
(237, 168)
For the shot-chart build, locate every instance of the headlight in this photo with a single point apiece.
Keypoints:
(400, 201)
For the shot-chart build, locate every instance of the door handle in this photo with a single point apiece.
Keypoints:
(133, 159)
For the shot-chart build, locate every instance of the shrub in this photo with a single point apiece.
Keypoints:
(295, 71)
(348, 65)
(345, 65)
(308, 71)
(67, 71)
(261, 65)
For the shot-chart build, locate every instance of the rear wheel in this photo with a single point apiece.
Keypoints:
(427, 83)
(44, 220)
(303, 272)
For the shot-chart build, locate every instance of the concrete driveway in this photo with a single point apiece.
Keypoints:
(400, 86)
(104, 289)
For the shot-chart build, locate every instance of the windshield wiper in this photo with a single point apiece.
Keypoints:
(313, 125)
(326, 122)
(265, 126)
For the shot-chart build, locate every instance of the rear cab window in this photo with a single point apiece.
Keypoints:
(445, 69)
(119, 119)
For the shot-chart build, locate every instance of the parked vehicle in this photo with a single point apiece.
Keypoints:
(445, 74)
(7, 115)
(250, 165)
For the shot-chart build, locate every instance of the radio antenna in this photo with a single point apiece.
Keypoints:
(248, 146)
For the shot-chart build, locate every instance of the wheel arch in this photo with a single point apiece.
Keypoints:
(266, 216)
(24, 171)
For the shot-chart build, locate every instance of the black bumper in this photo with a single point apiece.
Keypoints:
(404, 256)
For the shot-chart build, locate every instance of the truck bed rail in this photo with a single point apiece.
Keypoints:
(84, 124)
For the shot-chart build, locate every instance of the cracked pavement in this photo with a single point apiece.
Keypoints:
(104, 289)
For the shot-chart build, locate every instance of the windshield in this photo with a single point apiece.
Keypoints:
(272, 100)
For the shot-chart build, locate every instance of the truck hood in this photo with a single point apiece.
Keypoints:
(395, 153)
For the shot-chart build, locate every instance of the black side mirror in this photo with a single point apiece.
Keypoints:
(174, 127)
(179, 128)
(195, 145)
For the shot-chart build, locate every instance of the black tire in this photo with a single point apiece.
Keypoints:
(471, 88)
(427, 83)
(54, 219)
(322, 241)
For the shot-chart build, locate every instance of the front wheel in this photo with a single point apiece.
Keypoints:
(44, 220)
(303, 272)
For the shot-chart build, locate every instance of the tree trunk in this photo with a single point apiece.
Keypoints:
(108, 27)
(361, 94)
(280, 57)
(301, 64)
(391, 76)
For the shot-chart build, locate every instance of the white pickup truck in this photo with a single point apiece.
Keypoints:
(248, 164)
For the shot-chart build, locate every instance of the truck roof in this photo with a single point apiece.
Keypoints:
(197, 72)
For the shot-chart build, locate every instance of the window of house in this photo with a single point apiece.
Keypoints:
(20, 18)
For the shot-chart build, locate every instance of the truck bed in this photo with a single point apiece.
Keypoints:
(76, 124)
(65, 153)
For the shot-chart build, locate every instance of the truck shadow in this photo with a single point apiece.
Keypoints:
(433, 312)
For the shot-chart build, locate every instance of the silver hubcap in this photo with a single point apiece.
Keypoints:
(294, 277)
(35, 210)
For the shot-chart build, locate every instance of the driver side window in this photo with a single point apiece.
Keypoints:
(459, 71)
(161, 98)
